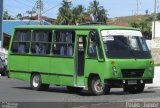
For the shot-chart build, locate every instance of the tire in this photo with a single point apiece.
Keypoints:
(4, 72)
(74, 89)
(133, 89)
(125, 89)
(96, 88)
(36, 83)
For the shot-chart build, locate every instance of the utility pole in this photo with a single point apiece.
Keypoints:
(1, 24)
(39, 7)
(155, 17)
(158, 6)
(137, 7)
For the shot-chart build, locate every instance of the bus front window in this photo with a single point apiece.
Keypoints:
(125, 46)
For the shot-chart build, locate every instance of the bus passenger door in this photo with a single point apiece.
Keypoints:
(80, 60)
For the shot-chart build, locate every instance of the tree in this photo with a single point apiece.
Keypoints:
(65, 14)
(98, 12)
(158, 16)
(145, 28)
(19, 16)
(147, 12)
(31, 12)
(78, 14)
(6, 16)
(102, 15)
(69, 16)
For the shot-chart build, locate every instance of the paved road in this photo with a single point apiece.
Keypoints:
(13, 90)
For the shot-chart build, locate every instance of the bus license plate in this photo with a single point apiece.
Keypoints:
(132, 82)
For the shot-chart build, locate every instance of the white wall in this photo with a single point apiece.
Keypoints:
(157, 29)
(156, 80)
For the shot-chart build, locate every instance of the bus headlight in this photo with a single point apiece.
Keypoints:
(150, 69)
(114, 70)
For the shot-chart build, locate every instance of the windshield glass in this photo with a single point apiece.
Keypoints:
(125, 46)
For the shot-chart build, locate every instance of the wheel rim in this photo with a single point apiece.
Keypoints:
(99, 87)
(36, 81)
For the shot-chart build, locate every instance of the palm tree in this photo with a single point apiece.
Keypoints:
(78, 15)
(19, 16)
(98, 12)
(101, 16)
(65, 14)
(6, 16)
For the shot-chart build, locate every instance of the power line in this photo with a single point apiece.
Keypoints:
(33, 1)
(50, 9)
(76, 2)
(46, 10)
(9, 11)
(158, 6)
(137, 7)
(23, 3)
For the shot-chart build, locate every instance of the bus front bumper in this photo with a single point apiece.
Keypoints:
(120, 82)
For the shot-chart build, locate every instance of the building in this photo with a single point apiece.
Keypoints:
(157, 31)
(8, 25)
(50, 20)
(155, 42)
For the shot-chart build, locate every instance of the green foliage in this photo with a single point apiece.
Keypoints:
(145, 28)
(98, 12)
(69, 15)
(65, 14)
(78, 14)
(19, 16)
(6, 16)
(145, 25)
(158, 16)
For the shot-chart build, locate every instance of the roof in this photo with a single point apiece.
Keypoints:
(8, 25)
(101, 27)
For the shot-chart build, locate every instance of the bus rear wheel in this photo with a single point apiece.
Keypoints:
(139, 88)
(74, 89)
(4, 72)
(97, 88)
(36, 83)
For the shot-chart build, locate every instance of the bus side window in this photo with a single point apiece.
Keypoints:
(63, 44)
(41, 42)
(21, 42)
(92, 45)
(94, 42)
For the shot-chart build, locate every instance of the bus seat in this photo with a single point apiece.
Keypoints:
(21, 48)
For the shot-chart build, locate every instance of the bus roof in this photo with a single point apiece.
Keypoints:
(101, 27)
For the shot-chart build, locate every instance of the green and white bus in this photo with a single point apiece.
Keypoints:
(93, 57)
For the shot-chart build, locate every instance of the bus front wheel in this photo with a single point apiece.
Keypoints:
(134, 88)
(97, 88)
(36, 83)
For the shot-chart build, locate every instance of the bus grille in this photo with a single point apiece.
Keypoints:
(132, 73)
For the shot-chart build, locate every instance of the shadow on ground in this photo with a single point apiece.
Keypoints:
(83, 93)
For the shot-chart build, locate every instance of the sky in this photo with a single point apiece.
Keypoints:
(115, 8)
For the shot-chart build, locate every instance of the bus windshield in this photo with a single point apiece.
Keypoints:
(125, 46)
